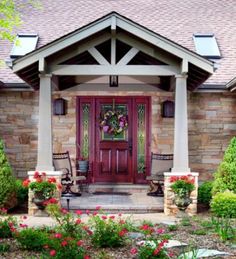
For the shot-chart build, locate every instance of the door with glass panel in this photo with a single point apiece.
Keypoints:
(113, 132)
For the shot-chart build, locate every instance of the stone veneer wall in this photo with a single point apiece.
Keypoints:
(212, 123)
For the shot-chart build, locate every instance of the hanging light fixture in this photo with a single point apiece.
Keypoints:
(113, 81)
(168, 109)
(59, 106)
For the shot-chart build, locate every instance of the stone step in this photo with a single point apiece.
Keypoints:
(116, 188)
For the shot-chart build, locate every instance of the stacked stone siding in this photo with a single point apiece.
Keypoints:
(212, 123)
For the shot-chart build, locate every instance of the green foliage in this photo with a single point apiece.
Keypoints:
(10, 17)
(60, 246)
(224, 205)
(8, 225)
(172, 227)
(224, 228)
(4, 248)
(185, 221)
(204, 193)
(108, 231)
(199, 232)
(32, 239)
(151, 249)
(45, 188)
(21, 192)
(67, 223)
(7, 181)
(225, 176)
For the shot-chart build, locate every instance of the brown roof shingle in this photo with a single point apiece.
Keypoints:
(176, 20)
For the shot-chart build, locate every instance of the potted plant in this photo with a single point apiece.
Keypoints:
(182, 186)
(43, 188)
(82, 162)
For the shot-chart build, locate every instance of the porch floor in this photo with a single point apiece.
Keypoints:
(136, 202)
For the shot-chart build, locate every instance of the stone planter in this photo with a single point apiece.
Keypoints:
(182, 201)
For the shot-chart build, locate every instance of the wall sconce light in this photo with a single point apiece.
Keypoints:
(59, 106)
(113, 81)
(168, 109)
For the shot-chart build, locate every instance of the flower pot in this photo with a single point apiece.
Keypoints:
(182, 201)
(39, 201)
(83, 166)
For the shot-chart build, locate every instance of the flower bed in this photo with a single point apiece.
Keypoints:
(112, 236)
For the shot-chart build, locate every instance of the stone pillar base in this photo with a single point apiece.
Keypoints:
(169, 207)
(32, 208)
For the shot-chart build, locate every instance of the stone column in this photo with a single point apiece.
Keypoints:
(181, 162)
(44, 159)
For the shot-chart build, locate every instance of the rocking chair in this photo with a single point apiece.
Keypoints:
(159, 165)
(62, 162)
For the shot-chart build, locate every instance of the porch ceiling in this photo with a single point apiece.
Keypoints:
(112, 45)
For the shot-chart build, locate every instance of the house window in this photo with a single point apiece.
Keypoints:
(24, 43)
(206, 45)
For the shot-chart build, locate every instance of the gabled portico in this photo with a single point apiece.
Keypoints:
(113, 45)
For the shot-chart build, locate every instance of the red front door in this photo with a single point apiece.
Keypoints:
(114, 151)
(122, 157)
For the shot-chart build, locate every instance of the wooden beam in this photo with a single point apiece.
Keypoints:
(81, 48)
(60, 44)
(98, 56)
(69, 70)
(113, 25)
(184, 66)
(128, 56)
(145, 48)
(113, 50)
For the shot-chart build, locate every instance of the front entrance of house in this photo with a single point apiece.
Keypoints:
(114, 133)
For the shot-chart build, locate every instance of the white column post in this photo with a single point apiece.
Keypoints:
(44, 160)
(181, 160)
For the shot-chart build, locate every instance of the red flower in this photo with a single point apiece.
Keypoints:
(43, 174)
(79, 212)
(36, 175)
(52, 180)
(98, 207)
(24, 217)
(95, 213)
(39, 180)
(26, 182)
(46, 246)
(144, 227)
(104, 217)
(133, 251)
(156, 251)
(122, 221)
(112, 217)
(174, 178)
(53, 252)
(119, 214)
(58, 235)
(80, 243)
(23, 225)
(64, 243)
(160, 230)
(64, 211)
(86, 257)
(122, 232)
(59, 186)
(78, 221)
(87, 212)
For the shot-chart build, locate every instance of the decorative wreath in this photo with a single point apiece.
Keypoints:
(114, 122)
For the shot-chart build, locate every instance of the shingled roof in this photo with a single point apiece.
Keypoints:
(175, 20)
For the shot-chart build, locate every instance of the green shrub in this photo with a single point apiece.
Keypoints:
(7, 182)
(204, 193)
(21, 192)
(4, 248)
(225, 176)
(7, 226)
(32, 239)
(108, 231)
(224, 205)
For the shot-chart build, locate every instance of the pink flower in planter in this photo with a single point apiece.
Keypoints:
(98, 207)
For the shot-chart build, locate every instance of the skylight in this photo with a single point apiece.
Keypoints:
(24, 44)
(206, 45)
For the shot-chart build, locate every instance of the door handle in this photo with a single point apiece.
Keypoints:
(130, 147)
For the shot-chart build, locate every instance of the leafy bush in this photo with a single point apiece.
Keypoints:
(21, 192)
(7, 182)
(225, 176)
(224, 205)
(108, 231)
(204, 193)
(7, 227)
(32, 239)
(60, 246)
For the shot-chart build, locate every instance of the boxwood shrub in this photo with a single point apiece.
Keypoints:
(224, 204)
(204, 193)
